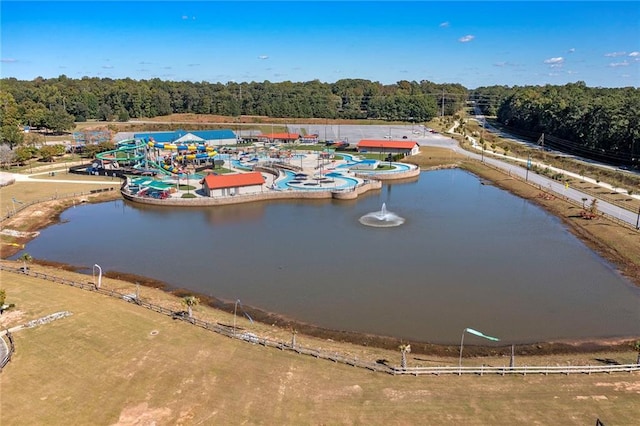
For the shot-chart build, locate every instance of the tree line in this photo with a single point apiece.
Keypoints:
(56, 103)
(598, 123)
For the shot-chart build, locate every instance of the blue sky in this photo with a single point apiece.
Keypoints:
(474, 43)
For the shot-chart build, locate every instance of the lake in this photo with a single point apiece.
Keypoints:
(468, 255)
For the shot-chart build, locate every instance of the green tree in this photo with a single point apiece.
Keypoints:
(105, 113)
(49, 152)
(26, 258)
(190, 302)
(10, 132)
(123, 115)
(24, 153)
(3, 296)
(58, 120)
(404, 350)
(33, 113)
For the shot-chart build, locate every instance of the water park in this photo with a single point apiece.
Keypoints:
(195, 173)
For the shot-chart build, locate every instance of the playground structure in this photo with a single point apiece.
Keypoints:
(142, 156)
(179, 154)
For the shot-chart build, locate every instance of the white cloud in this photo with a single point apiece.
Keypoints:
(185, 17)
(8, 60)
(466, 38)
(573, 49)
(634, 54)
(614, 54)
(619, 64)
(107, 67)
(554, 61)
(444, 24)
(263, 57)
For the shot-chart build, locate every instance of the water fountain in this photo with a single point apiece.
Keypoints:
(382, 218)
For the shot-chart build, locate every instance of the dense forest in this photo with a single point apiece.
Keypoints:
(52, 103)
(597, 123)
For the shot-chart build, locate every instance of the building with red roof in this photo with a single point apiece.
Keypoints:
(279, 137)
(232, 184)
(403, 147)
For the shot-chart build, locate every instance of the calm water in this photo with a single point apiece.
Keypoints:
(468, 255)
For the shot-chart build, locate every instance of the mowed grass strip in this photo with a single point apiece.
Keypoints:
(27, 192)
(115, 362)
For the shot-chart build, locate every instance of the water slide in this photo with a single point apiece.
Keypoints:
(198, 156)
(181, 147)
(196, 152)
(128, 150)
(134, 151)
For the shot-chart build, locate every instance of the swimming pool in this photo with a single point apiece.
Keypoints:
(328, 182)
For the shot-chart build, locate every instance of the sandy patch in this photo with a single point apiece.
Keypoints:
(10, 318)
(141, 414)
(405, 395)
(622, 386)
(342, 393)
(20, 234)
(591, 397)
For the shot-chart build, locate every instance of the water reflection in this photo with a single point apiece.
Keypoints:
(468, 255)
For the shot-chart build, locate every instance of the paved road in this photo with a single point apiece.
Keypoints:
(557, 187)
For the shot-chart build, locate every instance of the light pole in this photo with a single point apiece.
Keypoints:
(96, 266)
(461, 346)
(235, 309)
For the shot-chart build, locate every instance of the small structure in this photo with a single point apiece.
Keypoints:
(232, 184)
(208, 137)
(279, 137)
(403, 147)
(311, 138)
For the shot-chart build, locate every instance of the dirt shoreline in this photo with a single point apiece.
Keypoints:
(42, 215)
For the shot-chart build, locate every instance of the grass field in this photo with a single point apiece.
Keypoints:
(112, 362)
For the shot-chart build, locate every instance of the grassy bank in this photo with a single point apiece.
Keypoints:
(115, 362)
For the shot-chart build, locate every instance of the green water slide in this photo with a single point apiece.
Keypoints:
(130, 152)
